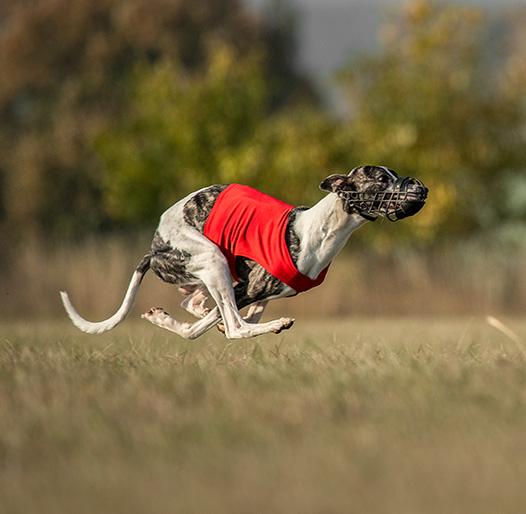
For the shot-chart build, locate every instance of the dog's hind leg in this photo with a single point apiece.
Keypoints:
(195, 301)
(210, 268)
(162, 319)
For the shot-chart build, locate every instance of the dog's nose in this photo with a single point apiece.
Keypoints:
(418, 190)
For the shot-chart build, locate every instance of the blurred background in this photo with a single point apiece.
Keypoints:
(112, 110)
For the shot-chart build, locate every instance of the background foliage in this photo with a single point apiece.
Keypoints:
(112, 110)
(210, 127)
(69, 71)
(445, 101)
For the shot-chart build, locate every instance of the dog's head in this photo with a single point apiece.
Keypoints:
(373, 191)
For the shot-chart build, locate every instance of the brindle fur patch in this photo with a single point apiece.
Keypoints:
(170, 264)
(255, 284)
(197, 209)
(291, 236)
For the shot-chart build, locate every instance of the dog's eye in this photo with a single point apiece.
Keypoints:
(383, 179)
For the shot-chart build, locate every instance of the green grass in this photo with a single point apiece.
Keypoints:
(364, 416)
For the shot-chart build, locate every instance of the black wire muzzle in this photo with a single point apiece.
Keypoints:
(406, 197)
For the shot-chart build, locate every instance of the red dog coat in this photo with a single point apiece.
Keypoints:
(247, 223)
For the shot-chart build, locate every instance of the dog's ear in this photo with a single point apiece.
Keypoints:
(334, 183)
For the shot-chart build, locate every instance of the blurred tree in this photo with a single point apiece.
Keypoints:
(65, 67)
(184, 131)
(443, 101)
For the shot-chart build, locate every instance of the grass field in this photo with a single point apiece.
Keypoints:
(361, 416)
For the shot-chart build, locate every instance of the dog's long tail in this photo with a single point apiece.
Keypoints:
(103, 326)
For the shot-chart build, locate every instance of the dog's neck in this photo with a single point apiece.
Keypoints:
(323, 231)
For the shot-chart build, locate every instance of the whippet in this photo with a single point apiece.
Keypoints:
(244, 248)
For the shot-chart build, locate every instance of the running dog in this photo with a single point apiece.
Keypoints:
(244, 248)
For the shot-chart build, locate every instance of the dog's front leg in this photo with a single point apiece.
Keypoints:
(255, 311)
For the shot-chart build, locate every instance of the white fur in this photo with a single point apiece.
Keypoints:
(103, 326)
(323, 230)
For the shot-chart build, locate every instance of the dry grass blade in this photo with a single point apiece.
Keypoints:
(499, 325)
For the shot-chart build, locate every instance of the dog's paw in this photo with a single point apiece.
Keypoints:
(286, 323)
(155, 315)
